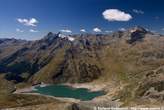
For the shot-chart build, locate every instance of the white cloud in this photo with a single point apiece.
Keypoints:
(162, 29)
(82, 30)
(122, 29)
(66, 30)
(32, 30)
(116, 15)
(28, 22)
(138, 11)
(19, 30)
(97, 29)
(108, 31)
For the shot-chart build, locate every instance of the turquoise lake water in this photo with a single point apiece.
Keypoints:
(68, 92)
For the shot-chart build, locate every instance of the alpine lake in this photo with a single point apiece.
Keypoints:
(64, 91)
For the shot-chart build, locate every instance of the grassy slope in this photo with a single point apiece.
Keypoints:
(47, 72)
(19, 100)
(124, 64)
(7, 99)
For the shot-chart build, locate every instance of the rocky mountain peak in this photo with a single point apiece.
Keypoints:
(132, 34)
(137, 29)
(136, 34)
(49, 36)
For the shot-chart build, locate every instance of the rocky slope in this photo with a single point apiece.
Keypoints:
(131, 60)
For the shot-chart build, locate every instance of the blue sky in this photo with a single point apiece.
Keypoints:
(32, 19)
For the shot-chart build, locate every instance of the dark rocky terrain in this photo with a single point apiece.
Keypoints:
(132, 60)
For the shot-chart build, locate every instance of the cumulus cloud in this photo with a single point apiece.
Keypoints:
(19, 30)
(66, 30)
(107, 31)
(122, 29)
(82, 30)
(32, 30)
(116, 15)
(138, 11)
(28, 22)
(97, 29)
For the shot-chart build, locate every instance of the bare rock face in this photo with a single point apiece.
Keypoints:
(136, 34)
(153, 85)
(76, 68)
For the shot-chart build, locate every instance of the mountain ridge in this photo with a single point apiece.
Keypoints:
(124, 58)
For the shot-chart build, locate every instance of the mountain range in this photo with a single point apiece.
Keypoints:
(132, 60)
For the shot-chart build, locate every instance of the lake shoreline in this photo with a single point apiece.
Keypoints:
(31, 90)
(91, 87)
(57, 98)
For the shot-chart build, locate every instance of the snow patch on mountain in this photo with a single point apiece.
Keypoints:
(68, 37)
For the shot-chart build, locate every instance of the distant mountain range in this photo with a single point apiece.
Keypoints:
(132, 59)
